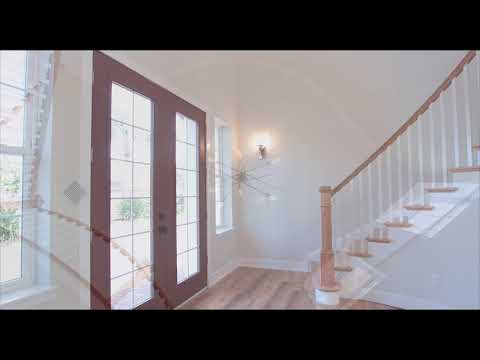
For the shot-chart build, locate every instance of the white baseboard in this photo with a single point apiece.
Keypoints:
(275, 264)
(223, 271)
(403, 301)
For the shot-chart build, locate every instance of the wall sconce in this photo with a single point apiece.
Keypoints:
(262, 152)
(262, 142)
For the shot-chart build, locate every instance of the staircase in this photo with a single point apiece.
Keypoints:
(414, 184)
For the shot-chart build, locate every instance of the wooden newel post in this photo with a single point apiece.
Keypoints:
(327, 256)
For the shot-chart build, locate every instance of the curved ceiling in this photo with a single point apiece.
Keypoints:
(377, 90)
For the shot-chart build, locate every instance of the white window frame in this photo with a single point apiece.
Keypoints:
(29, 258)
(223, 175)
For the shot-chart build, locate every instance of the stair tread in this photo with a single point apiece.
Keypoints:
(418, 207)
(465, 169)
(380, 241)
(357, 254)
(397, 224)
(343, 268)
(442, 189)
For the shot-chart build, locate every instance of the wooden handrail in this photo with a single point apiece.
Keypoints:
(445, 84)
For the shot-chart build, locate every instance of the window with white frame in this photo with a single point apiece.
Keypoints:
(223, 177)
(24, 99)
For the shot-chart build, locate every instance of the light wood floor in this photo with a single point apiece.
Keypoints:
(252, 288)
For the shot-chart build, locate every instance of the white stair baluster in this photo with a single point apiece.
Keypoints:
(370, 201)
(335, 206)
(456, 146)
(353, 213)
(389, 182)
(344, 215)
(400, 178)
(380, 190)
(476, 102)
(478, 69)
(468, 117)
(443, 141)
(420, 161)
(361, 206)
(432, 145)
(410, 165)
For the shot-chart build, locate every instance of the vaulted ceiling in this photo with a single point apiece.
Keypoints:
(377, 90)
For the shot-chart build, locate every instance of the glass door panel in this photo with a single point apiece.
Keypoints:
(187, 175)
(130, 199)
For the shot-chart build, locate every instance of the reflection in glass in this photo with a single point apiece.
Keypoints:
(181, 155)
(181, 183)
(122, 104)
(121, 292)
(182, 240)
(192, 236)
(142, 281)
(192, 209)
(121, 179)
(12, 115)
(121, 144)
(141, 180)
(192, 262)
(192, 183)
(181, 210)
(142, 111)
(120, 217)
(12, 69)
(141, 146)
(182, 267)
(119, 263)
(141, 250)
(191, 158)
(181, 130)
(191, 132)
(141, 215)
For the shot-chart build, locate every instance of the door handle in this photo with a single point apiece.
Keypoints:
(163, 229)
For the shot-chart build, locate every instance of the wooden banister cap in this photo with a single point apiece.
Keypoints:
(325, 189)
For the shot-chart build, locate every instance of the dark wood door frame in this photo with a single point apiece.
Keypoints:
(166, 105)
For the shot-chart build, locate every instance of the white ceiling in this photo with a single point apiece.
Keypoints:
(376, 89)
